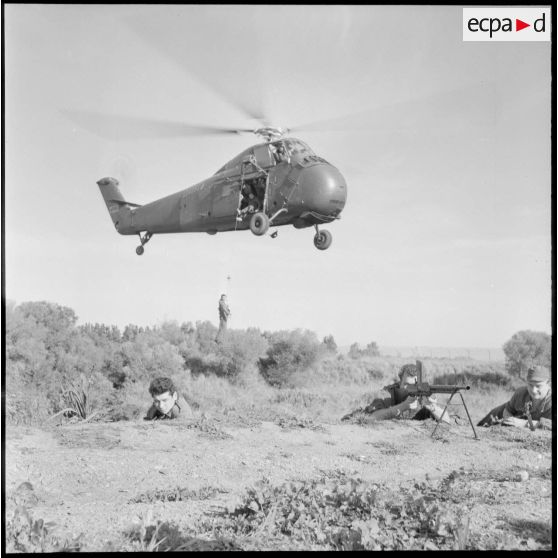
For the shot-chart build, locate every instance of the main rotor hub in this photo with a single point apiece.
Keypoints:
(269, 133)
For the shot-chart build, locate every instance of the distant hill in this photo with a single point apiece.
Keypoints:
(476, 353)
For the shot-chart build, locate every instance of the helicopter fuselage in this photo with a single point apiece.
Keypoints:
(283, 179)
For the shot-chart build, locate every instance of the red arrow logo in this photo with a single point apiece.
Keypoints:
(519, 25)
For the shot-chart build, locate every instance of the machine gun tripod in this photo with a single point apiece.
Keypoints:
(423, 389)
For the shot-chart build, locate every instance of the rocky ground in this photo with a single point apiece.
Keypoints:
(95, 481)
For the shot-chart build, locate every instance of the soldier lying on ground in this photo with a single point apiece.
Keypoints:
(167, 404)
(400, 404)
(530, 406)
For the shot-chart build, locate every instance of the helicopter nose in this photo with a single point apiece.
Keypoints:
(324, 189)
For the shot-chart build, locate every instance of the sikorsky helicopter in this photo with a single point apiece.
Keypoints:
(278, 182)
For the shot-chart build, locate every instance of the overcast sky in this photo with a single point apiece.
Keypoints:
(445, 239)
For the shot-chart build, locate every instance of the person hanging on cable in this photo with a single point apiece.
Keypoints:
(224, 313)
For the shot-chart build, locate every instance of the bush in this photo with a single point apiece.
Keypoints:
(149, 356)
(25, 534)
(371, 350)
(27, 406)
(527, 348)
(88, 396)
(349, 514)
(289, 353)
(239, 350)
(233, 357)
(130, 402)
(47, 354)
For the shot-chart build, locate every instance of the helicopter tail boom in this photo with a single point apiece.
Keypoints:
(118, 207)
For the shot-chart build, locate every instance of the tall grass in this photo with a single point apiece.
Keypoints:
(335, 386)
(330, 388)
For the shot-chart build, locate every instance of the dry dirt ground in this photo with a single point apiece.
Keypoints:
(94, 479)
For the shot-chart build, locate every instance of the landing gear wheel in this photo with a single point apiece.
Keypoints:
(259, 223)
(322, 240)
(144, 240)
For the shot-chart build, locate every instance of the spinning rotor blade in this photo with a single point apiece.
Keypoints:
(474, 106)
(234, 74)
(117, 127)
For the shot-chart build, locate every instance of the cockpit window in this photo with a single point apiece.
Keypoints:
(281, 150)
(295, 147)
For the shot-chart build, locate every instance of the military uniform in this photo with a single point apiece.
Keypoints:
(224, 313)
(541, 409)
(397, 395)
(180, 409)
(521, 404)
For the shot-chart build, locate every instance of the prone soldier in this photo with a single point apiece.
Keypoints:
(167, 403)
(530, 406)
(409, 398)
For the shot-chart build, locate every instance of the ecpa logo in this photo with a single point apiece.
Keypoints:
(506, 24)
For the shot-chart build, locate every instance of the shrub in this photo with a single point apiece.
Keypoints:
(527, 348)
(289, 353)
(205, 337)
(240, 349)
(130, 402)
(370, 350)
(27, 405)
(25, 534)
(349, 514)
(87, 397)
(149, 356)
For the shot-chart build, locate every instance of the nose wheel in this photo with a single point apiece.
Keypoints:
(322, 239)
(144, 240)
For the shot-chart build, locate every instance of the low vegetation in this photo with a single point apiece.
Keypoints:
(59, 372)
(24, 533)
(346, 513)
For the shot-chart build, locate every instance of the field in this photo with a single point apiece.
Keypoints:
(266, 463)
(234, 481)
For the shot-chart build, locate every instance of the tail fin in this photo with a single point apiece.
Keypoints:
(114, 200)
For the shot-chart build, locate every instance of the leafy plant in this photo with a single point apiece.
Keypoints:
(79, 400)
(290, 422)
(208, 428)
(348, 514)
(26, 534)
(146, 536)
(177, 494)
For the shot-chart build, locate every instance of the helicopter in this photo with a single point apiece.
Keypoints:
(280, 181)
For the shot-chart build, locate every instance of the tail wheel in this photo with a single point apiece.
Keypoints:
(259, 223)
(322, 240)
(144, 240)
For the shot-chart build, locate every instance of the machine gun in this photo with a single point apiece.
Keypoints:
(422, 389)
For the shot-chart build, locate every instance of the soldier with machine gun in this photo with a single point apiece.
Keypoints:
(411, 394)
(409, 398)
